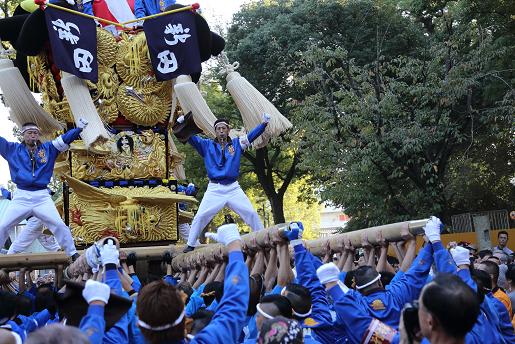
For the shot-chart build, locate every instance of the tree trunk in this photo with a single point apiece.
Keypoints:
(263, 168)
(277, 203)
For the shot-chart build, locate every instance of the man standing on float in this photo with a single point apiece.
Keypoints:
(31, 164)
(222, 160)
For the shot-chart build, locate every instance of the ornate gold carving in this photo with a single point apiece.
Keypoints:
(131, 156)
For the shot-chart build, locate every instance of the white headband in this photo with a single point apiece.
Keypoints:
(369, 283)
(146, 326)
(29, 127)
(262, 312)
(302, 315)
(222, 122)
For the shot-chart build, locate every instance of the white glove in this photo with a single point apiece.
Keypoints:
(109, 254)
(71, 2)
(266, 117)
(225, 234)
(96, 291)
(82, 123)
(180, 119)
(432, 229)
(460, 255)
(328, 273)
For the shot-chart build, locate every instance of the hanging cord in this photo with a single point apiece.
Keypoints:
(228, 67)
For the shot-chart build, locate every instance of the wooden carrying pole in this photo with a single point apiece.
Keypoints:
(213, 254)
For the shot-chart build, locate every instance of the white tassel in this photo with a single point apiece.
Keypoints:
(252, 104)
(81, 105)
(22, 104)
(191, 100)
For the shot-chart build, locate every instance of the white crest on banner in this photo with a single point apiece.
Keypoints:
(167, 62)
(179, 34)
(82, 59)
(65, 30)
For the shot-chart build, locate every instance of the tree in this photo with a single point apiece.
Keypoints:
(387, 131)
(7, 7)
(269, 38)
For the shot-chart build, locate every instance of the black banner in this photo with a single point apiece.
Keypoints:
(173, 45)
(74, 43)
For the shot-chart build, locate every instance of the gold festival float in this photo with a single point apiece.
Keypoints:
(124, 186)
(120, 180)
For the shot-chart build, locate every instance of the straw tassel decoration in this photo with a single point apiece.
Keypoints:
(23, 107)
(252, 104)
(81, 104)
(191, 100)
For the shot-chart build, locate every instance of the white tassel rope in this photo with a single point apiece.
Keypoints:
(23, 107)
(252, 104)
(191, 100)
(81, 105)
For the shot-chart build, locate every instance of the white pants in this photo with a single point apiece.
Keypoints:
(218, 196)
(33, 230)
(38, 204)
(184, 232)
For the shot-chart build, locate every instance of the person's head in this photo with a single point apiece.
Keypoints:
(499, 257)
(280, 330)
(46, 298)
(9, 305)
(300, 299)
(24, 305)
(9, 337)
(125, 142)
(502, 239)
(160, 311)
(257, 290)
(483, 282)
(485, 254)
(447, 307)
(201, 319)
(271, 306)
(492, 269)
(57, 334)
(494, 259)
(212, 291)
(367, 279)
(30, 132)
(186, 288)
(510, 276)
(222, 129)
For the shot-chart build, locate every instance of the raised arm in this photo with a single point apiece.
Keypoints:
(62, 142)
(260, 129)
(306, 276)
(6, 147)
(229, 318)
(199, 144)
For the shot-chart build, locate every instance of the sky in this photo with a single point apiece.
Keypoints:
(217, 12)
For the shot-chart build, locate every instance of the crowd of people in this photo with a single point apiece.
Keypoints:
(439, 295)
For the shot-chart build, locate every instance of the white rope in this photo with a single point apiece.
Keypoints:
(191, 99)
(252, 104)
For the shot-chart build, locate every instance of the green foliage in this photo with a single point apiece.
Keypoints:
(7, 7)
(397, 134)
